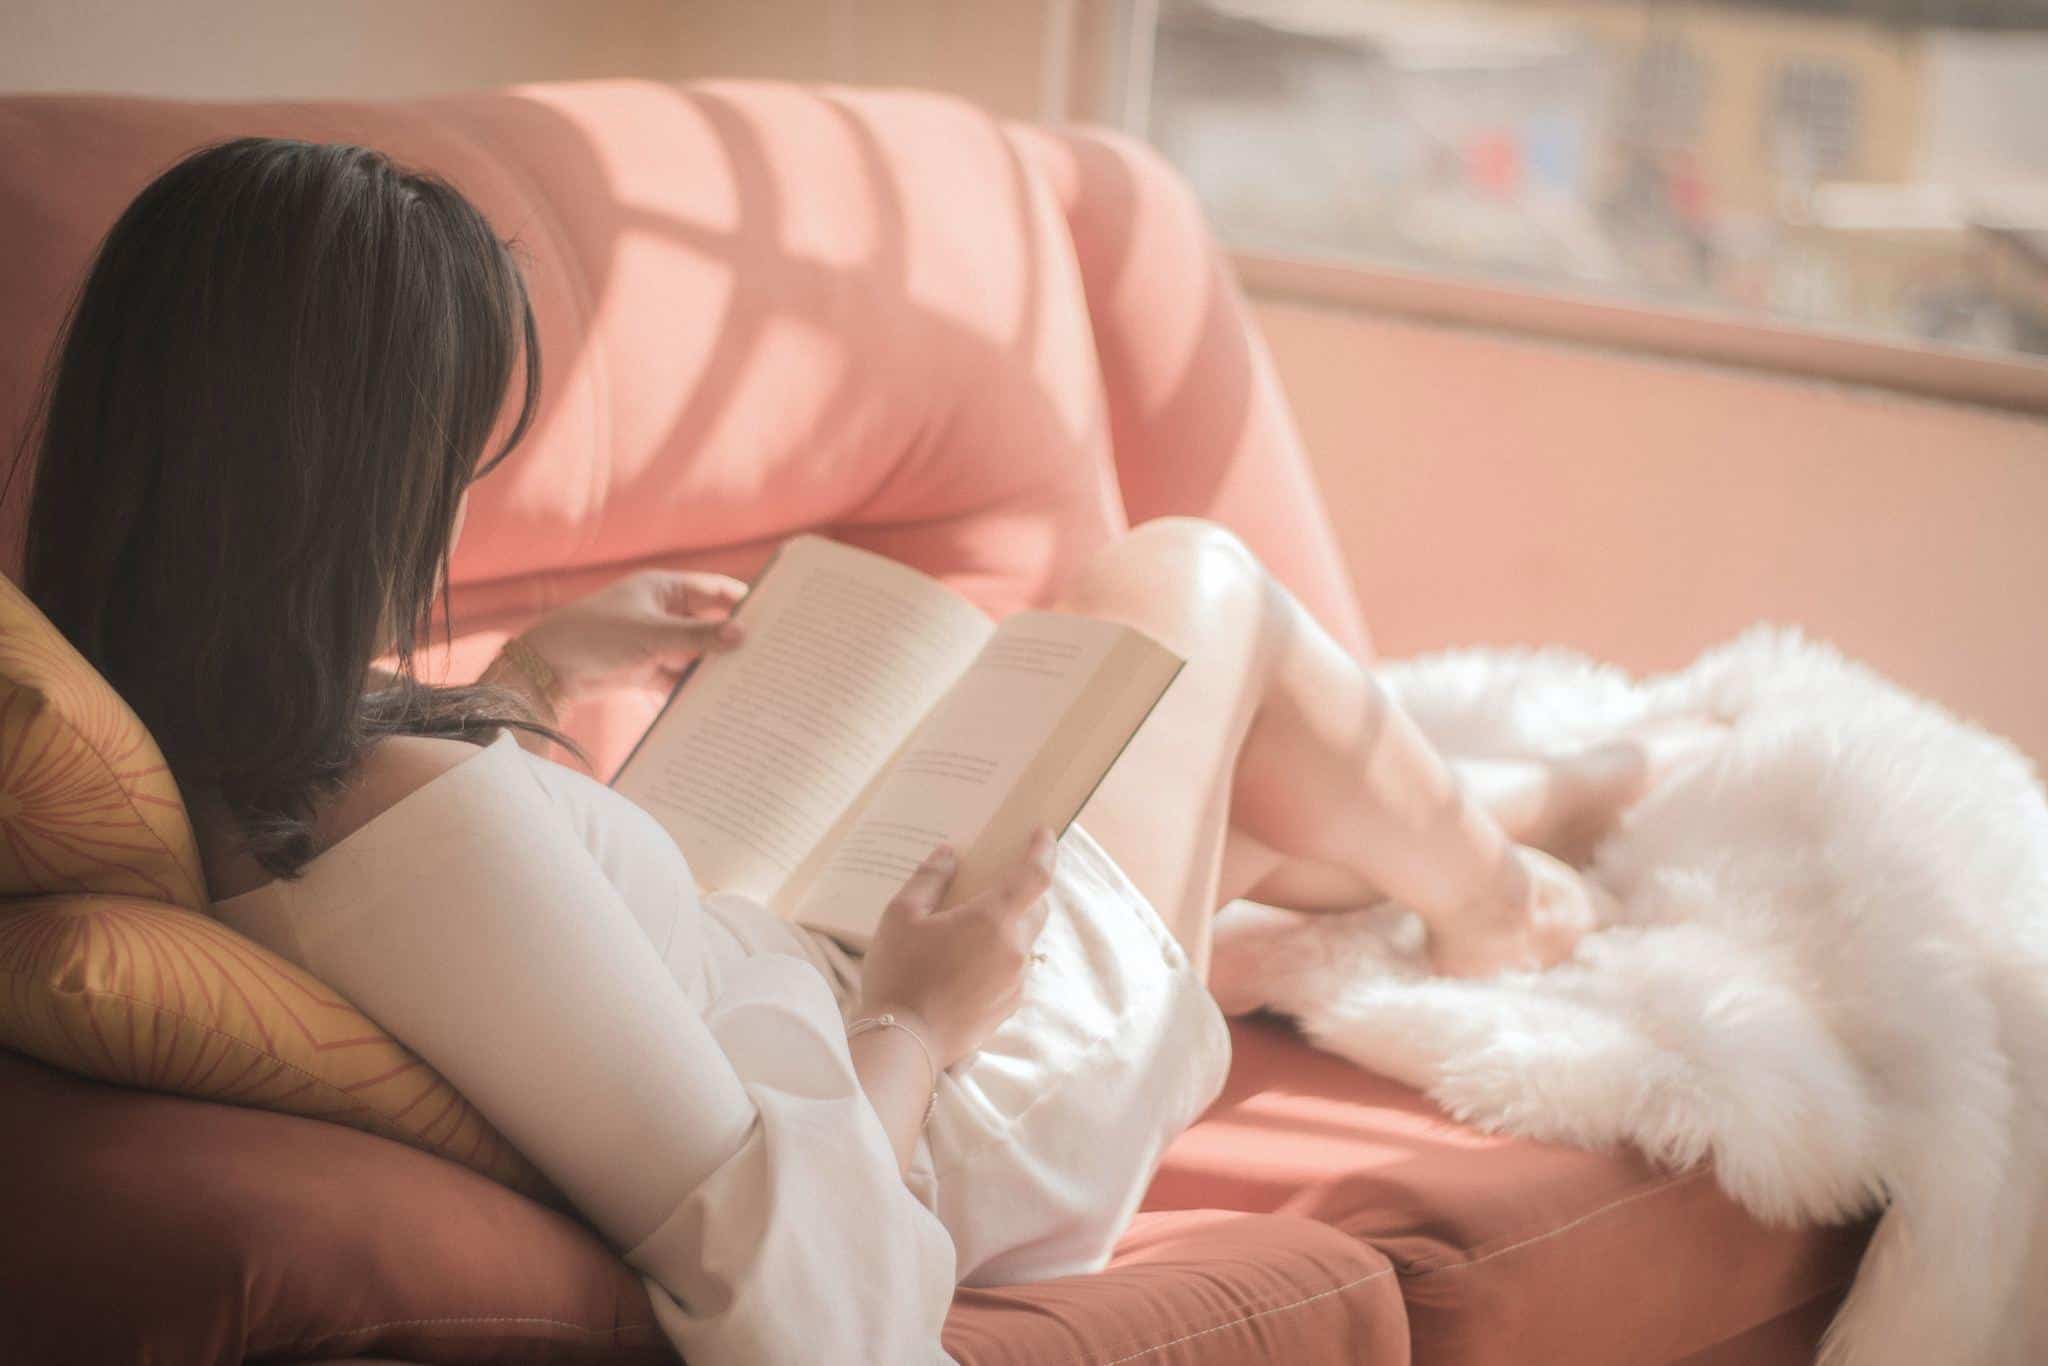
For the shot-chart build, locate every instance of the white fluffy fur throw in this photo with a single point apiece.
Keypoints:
(1830, 979)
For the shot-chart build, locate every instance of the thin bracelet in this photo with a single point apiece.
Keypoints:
(868, 1022)
(539, 673)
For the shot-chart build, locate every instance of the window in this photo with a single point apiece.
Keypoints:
(1874, 166)
(1813, 123)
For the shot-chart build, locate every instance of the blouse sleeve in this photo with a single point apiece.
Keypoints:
(731, 1156)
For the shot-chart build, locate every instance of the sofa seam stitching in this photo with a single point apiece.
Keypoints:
(1245, 1318)
(1418, 1269)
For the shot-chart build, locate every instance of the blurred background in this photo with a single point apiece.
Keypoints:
(1877, 167)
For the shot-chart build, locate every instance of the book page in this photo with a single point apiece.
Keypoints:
(762, 749)
(1026, 731)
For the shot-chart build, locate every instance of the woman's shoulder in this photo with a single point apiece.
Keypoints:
(392, 769)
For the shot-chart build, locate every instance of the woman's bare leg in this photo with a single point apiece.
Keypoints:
(1560, 805)
(1278, 761)
(1564, 805)
(1277, 767)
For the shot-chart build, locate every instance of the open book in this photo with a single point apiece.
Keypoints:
(870, 713)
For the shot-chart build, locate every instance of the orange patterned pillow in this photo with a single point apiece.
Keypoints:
(108, 967)
(86, 803)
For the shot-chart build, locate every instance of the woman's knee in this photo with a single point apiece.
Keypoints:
(1177, 565)
(1187, 546)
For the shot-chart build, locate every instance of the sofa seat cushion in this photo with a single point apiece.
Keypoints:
(1197, 1286)
(148, 1227)
(1505, 1250)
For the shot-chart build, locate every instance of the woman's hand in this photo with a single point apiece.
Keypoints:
(640, 631)
(953, 975)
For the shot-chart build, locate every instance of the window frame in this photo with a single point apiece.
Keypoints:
(1993, 379)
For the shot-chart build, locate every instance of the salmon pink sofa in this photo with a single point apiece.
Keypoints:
(980, 347)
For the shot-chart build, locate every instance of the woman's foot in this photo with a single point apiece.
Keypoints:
(1533, 921)
(1589, 789)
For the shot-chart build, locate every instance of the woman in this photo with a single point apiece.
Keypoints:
(287, 365)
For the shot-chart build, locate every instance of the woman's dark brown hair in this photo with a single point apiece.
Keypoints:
(278, 378)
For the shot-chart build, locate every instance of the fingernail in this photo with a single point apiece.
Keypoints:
(942, 854)
(730, 632)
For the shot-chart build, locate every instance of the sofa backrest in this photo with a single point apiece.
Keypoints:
(765, 308)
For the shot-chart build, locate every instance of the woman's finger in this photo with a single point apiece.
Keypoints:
(1023, 884)
(927, 886)
(1033, 923)
(1041, 859)
(687, 593)
(683, 641)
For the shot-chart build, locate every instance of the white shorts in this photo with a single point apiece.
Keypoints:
(1044, 1141)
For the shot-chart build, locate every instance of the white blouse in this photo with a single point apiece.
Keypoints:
(525, 929)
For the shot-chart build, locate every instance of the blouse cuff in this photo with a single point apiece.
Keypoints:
(805, 1245)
